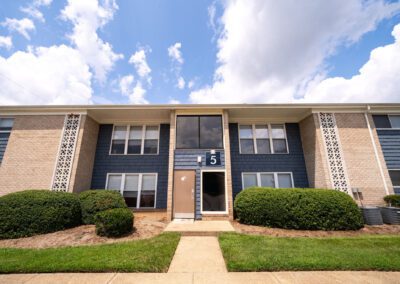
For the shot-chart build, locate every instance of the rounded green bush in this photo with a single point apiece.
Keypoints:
(95, 201)
(298, 208)
(393, 200)
(32, 212)
(114, 222)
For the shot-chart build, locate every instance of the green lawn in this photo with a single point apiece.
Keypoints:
(261, 253)
(150, 255)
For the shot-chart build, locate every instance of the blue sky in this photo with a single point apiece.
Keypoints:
(156, 51)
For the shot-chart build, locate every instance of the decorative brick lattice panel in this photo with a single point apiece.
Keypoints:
(333, 151)
(66, 152)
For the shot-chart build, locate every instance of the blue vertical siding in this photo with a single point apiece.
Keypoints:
(3, 144)
(187, 160)
(292, 162)
(390, 144)
(105, 163)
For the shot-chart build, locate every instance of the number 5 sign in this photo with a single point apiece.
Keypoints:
(213, 159)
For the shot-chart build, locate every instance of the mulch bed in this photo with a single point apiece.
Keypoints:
(145, 227)
(275, 232)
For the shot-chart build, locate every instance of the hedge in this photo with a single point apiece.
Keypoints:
(298, 208)
(114, 222)
(393, 200)
(32, 212)
(95, 201)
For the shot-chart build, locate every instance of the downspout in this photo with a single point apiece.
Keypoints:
(376, 150)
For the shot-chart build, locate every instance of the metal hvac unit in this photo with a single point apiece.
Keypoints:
(372, 215)
(390, 215)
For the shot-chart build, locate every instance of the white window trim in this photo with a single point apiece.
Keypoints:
(276, 181)
(201, 193)
(128, 129)
(7, 131)
(140, 177)
(271, 146)
(388, 115)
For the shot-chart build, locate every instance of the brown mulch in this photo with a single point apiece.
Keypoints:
(145, 227)
(275, 232)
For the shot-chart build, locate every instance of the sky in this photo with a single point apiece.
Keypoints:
(216, 51)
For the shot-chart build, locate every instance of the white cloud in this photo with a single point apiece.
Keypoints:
(181, 83)
(176, 58)
(33, 9)
(53, 75)
(6, 42)
(174, 101)
(191, 83)
(174, 52)
(377, 81)
(270, 51)
(22, 26)
(138, 59)
(135, 93)
(87, 17)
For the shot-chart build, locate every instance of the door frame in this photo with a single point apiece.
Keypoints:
(201, 192)
(182, 216)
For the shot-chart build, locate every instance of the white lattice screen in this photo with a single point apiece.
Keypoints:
(65, 157)
(334, 154)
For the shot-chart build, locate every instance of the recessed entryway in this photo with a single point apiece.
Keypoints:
(213, 192)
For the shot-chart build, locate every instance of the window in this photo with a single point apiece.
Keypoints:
(387, 121)
(6, 125)
(263, 139)
(199, 132)
(132, 139)
(395, 177)
(276, 180)
(138, 190)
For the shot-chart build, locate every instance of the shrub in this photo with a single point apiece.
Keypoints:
(32, 212)
(393, 200)
(298, 208)
(114, 222)
(95, 201)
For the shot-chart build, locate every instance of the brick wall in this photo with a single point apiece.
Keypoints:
(30, 157)
(314, 153)
(81, 174)
(361, 163)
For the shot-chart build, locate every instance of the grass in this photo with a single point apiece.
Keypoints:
(149, 255)
(262, 253)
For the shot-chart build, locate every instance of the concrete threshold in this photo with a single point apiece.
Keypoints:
(199, 228)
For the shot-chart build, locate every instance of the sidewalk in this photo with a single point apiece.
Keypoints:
(309, 277)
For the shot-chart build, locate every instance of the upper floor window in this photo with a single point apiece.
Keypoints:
(395, 177)
(275, 180)
(199, 132)
(263, 139)
(387, 121)
(138, 190)
(133, 139)
(6, 125)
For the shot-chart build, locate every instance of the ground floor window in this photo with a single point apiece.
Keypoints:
(395, 177)
(138, 190)
(269, 179)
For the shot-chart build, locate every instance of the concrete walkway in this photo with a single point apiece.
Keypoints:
(198, 254)
(317, 277)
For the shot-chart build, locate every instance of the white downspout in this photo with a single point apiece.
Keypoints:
(376, 151)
